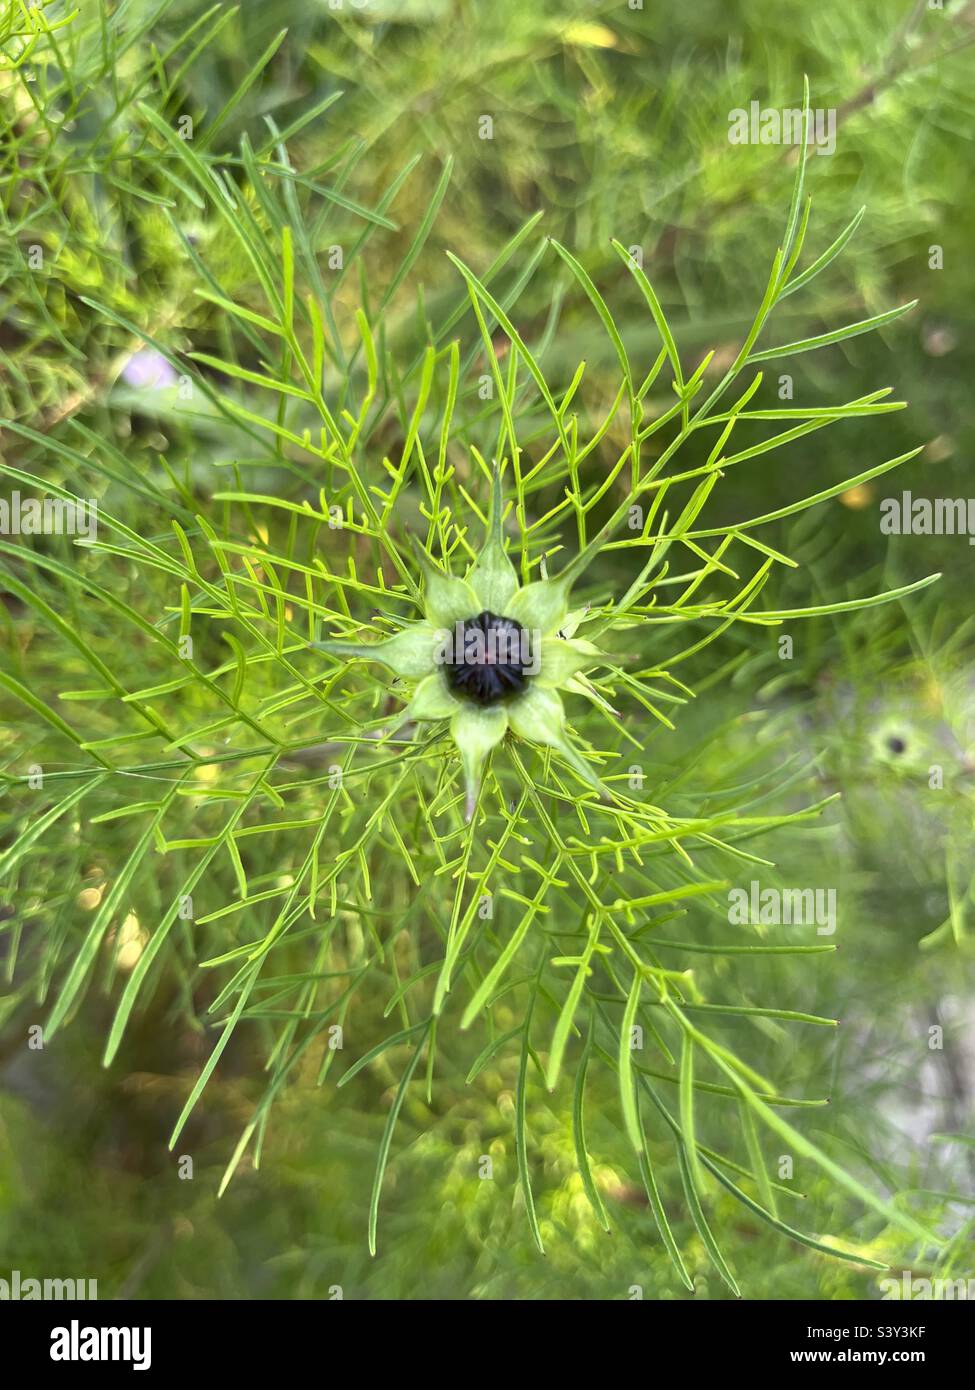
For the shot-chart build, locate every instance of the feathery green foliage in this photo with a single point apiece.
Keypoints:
(270, 826)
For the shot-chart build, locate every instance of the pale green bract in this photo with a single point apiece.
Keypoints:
(540, 607)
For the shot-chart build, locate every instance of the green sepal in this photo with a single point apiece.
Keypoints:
(446, 600)
(544, 604)
(476, 732)
(410, 653)
(562, 659)
(539, 717)
(541, 606)
(432, 699)
(492, 576)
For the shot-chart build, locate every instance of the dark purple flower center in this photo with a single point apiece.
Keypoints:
(488, 659)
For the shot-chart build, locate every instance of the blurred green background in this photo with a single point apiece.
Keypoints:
(609, 121)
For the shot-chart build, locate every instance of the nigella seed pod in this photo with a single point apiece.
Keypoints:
(489, 659)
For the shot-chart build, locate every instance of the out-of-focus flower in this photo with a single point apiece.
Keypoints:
(148, 369)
